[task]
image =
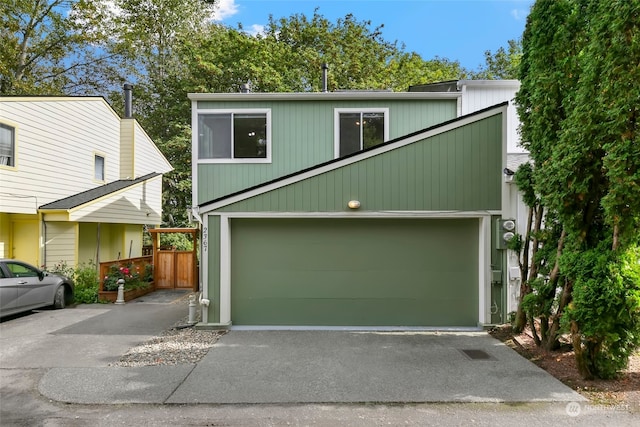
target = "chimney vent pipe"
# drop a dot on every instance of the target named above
(325, 69)
(246, 87)
(128, 102)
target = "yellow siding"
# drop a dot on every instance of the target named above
(4, 235)
(61, 243)
(88, 243)
(133, 240)
(111, 242)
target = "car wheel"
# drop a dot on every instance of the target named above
(60, 299)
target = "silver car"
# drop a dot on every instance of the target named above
(24, 287)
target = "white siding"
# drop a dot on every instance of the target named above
(61, 243)
(140, 204)
(148, 157)
(477, 95)
(56, 141)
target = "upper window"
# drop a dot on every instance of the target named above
(358, 129)
(99, 168)
(237, 136)
(7, 145)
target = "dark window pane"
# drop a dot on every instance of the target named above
(99, 168)
(372, 129)
(7, 145)
(214, 139)
(349, 133)
(249, 136)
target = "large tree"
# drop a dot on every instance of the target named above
(54, 47)
(578, 106)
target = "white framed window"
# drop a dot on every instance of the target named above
(7, 145)
(234, 136)
(98, 167)
(357, 129)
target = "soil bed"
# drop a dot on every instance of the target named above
(623, 392)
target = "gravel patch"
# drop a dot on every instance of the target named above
(181, 344)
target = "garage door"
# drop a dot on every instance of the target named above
(354, 272)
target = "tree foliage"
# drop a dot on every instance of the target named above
(503, 64)
(578, 106)
(53, 47)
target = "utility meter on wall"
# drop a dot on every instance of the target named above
(506, 230)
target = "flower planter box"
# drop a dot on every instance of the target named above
(112, 296)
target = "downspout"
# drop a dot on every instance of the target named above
(98, 247)
(44, 243)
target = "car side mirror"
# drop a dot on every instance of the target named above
(41, 274)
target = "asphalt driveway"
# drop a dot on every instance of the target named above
(344, 366)
(75, 347)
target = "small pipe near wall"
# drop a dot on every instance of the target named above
(325, 82)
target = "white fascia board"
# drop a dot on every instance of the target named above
(319, 96)
(356, 214)
(225, 270)
(356, 158)
(488, 83)
(194, 154)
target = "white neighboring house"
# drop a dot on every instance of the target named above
(77, 182)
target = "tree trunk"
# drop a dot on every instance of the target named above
(525, 289)
(565, 299)
(582, 358)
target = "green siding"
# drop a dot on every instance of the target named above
(212, 240)
(457, 170)
(358, 272)
(303, 136)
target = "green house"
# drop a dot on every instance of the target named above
(348, 209)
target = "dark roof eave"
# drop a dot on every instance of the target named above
(72, 202)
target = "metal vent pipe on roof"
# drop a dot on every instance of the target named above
(128, 101)
(325, 69)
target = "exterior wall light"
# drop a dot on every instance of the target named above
(353, 204)
(509, 175)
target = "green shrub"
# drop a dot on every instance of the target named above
(85, 278)
(605, 310)
(181, 241)
(87, 284)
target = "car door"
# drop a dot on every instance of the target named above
(32, 291)
(8, 291)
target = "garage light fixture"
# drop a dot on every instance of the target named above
(353, 204)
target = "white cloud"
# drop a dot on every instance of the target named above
(255, 29)
(223, 9)
(519, 14)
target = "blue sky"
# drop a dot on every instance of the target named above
(454, 29)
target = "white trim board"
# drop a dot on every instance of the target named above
(484, 251)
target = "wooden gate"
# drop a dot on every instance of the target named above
(175, 269)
